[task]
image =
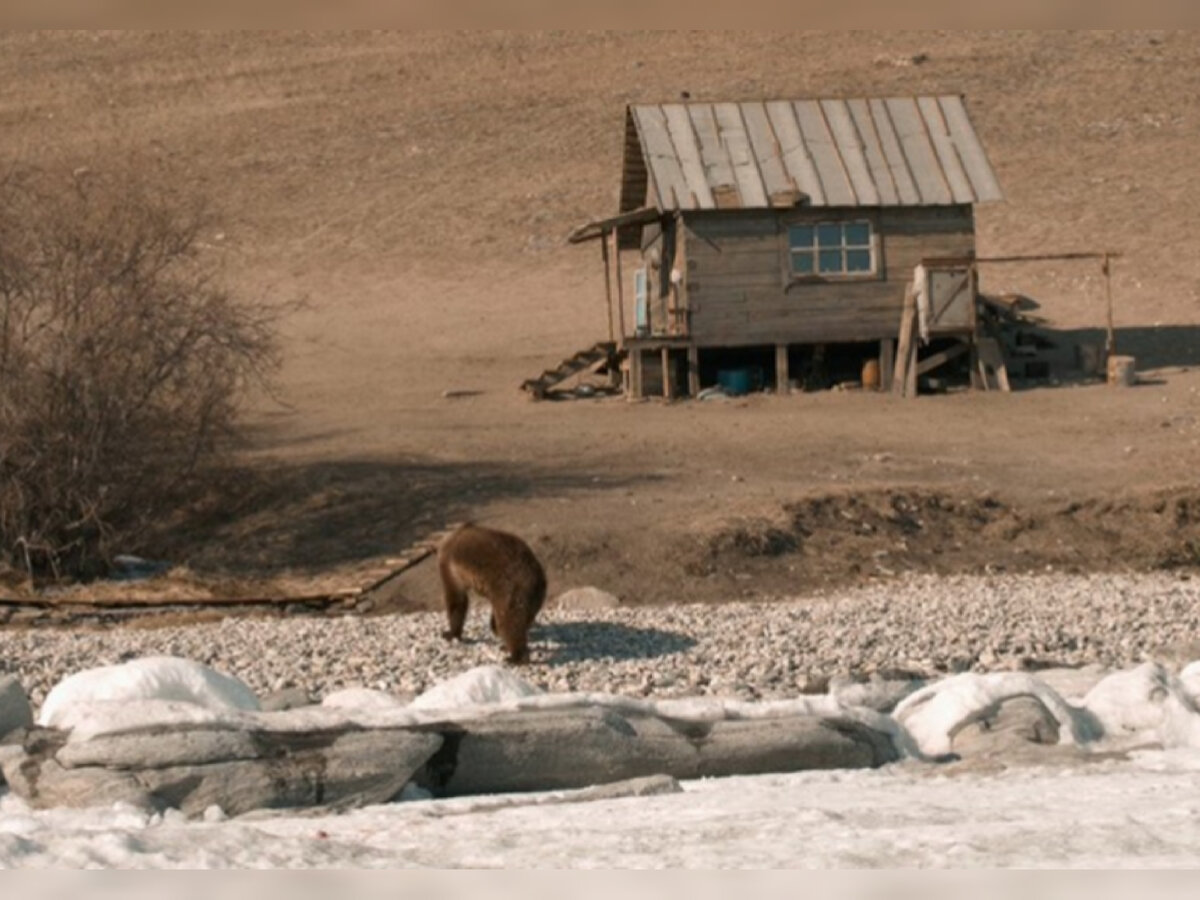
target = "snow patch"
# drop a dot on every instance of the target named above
(483, 685)
(167, 679)
(362, 698)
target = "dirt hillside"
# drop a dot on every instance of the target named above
(417, 190)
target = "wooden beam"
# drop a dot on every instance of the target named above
(616, 249)
(940, 359)
(887, 363)
(906, 345)
(635, 373)
(693, 363)
(781, 369)
(668, 381)
(607, 285)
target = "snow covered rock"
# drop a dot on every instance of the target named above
(934, 714)
(15, 711)
(483, 685)
(1009, 725)
(1145, 705)
(165, 678)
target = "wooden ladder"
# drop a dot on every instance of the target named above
(603, 353)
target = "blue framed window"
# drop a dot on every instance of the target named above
(831, 249)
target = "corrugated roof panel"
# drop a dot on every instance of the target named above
(834, 180)
(935, 124)
(679, 126)
(906, 187)
(796, 159)
(765, 145)
(662, 158)
(918, 151)
(850, 148)
(881, 173)
(899, 151)
(970, 150)
(732, 132)
(717, 166)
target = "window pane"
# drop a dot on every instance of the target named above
(800, 236)
(802, 263)
(858, 260)
(829, 235)
(831, 261)
(858, 234)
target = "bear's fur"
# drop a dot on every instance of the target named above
(501, 567)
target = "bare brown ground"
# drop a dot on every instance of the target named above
(416, 189)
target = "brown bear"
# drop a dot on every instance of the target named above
(500, 567)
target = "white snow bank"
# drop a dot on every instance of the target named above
(104, 691)
(933, 714)
(1146, 705)
(362, 698)
(483, 685)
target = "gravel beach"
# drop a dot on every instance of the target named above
(915, 626)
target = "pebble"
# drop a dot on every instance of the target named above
(914, 626)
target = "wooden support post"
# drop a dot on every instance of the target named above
(887, 363)
(616, 249)
(668, 381)
(781, 369)
(693, 363)
(607, 284)
(904, 379)
(635, 372)
(1110, 344)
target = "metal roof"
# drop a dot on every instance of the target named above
(899, 151)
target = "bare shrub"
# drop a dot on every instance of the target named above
(122, 360)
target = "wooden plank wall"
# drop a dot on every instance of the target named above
(737, 285)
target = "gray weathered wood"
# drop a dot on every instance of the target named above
(332, 768)
(561, 749)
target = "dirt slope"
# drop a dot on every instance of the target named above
(417, 189)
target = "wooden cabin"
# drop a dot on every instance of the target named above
(758, 237)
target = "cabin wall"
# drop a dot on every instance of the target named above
(738, 288)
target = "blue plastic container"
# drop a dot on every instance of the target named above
(736, 381)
